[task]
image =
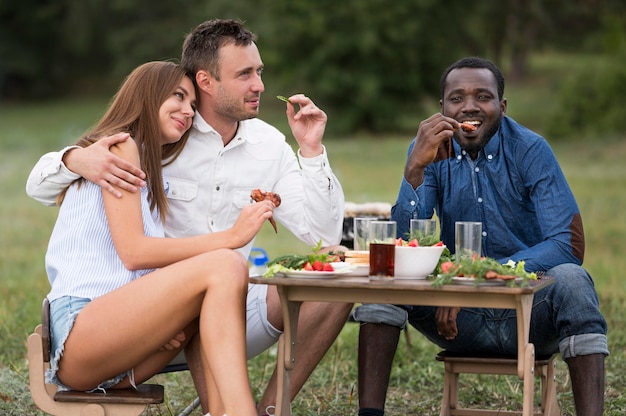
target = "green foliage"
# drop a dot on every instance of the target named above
(51, 49)
(370, 61)
(29, 47)
(590, 100)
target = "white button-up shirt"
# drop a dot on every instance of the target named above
(209, 183)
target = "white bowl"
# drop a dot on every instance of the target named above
(416, 262)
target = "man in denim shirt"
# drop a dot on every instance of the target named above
(507, 177)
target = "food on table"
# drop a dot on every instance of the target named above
(413, 243)
(257, 195)
(357, 257)
(422, 241)
(482, 269)
(418, 261)
(315, 261)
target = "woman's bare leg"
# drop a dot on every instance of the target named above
(216, 406)
(127, 327)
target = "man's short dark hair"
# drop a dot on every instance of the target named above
(474, 62)
(201, 46)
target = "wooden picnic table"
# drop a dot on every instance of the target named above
(295, 290)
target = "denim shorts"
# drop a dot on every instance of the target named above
(63, 313)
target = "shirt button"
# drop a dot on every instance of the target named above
(489, 157)
(480, 200)
(476, 169)
(459, 157)
(484, 233)
(217, 188)
(412, 203)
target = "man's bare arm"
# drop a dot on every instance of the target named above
(97, 164)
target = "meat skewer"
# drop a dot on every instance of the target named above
(257, 195)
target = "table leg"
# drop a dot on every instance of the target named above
(525, 351)
(282, 380)
(524, 304)
(286, 351)
(529, 381)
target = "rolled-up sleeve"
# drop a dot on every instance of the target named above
(49, 177)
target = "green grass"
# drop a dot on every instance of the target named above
(369, 169)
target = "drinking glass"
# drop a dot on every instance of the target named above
(423, 228)
(382, 242)
(361, 233)
(468, 239)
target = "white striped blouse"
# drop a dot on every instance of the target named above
(81, 259)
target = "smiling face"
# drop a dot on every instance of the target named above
(471, 95)
(176, 112)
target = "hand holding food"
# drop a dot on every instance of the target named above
(307, 124)
(257, 195)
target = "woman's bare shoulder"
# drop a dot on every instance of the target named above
(127, 150)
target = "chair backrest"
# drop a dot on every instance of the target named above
(45, 329)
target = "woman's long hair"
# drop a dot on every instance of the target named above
(134, 109)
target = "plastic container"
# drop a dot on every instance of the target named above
(258, 261)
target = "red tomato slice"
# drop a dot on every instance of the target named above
(445, 267)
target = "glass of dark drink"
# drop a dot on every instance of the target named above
(382, 247)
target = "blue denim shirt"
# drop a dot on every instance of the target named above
(515, 187)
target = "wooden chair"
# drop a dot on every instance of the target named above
(117, 402)
(455, 364)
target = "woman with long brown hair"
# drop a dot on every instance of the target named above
(124, 299)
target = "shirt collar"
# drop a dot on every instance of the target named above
(202, 127)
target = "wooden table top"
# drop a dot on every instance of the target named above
(399, 284)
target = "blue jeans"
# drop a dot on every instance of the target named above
(565, 317)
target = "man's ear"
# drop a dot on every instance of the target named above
(204, 81)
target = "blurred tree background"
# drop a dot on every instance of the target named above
(369, 62)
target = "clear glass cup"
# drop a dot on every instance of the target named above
(382, 245)
(361, 233)
(468, 239)
(423, 228)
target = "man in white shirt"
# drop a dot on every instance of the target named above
(230, 152)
